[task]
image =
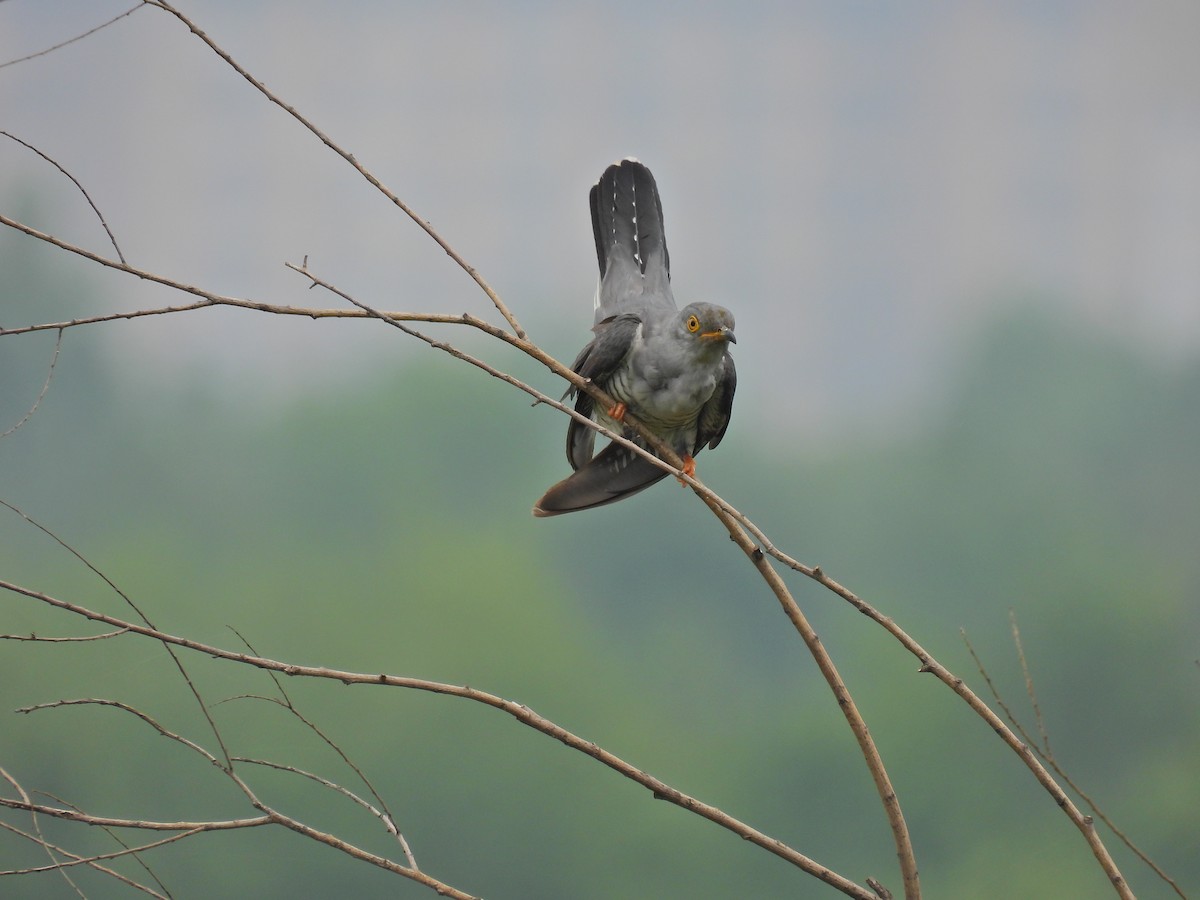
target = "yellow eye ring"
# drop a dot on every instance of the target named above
(693, 324)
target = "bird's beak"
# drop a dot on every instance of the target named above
(721, 334)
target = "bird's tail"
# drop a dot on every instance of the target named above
(627, 222)
(615, 473)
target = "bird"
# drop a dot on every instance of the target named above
(669, 367)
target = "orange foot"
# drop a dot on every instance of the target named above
(689, 469)
(617, 413)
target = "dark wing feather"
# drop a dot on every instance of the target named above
(714, 415)
(615, 473)
(597, 361)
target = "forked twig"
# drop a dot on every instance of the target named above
(128, 601)
(111, 832)
(270, 815)
(92, 862)
(75, 181)
(284, 700)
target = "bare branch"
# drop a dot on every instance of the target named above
(112, 833)
(270, 815)
(133, 711)
(63, 640)
(382, 813)
(112, 239)
(357, 166)
(78, 37)
(71, 815)
(931, 665)
(92, 862)
(523, 714)
(389, 820)
(128, 602)
(324, 782)
(365, 856)
(40, 838)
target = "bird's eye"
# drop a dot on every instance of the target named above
(693, 324)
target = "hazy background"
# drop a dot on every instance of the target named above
(962, 242)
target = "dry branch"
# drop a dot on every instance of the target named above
(523, 714)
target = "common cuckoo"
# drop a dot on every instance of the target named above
(667, 366)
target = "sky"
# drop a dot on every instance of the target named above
(865, 185)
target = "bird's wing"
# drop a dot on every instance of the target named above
(603, 355)
(714, 415)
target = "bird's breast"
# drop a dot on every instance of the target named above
(665, 398)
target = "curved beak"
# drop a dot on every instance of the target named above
(724, 333)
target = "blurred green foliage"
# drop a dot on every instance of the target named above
(388, 529)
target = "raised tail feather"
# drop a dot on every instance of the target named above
(627, 222)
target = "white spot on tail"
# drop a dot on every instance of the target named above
(637, 238)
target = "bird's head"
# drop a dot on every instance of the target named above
(707, 324)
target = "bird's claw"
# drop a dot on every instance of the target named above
(688, 469)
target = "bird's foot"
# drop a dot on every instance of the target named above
(689, 469)
(617, 413)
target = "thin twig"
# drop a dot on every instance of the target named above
(386, 816)
(930, 665)
(272, 815)
(78, 37)
(113, 854)
(1047, 753)
(75, 181)
(117, 838)
(1049, 759)
(358, 167)
(63, 640)
(125, 707)
(40, 838)
(90, 862)
(71, 815)
(312, 776)
(141, 615)
(42, 393)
